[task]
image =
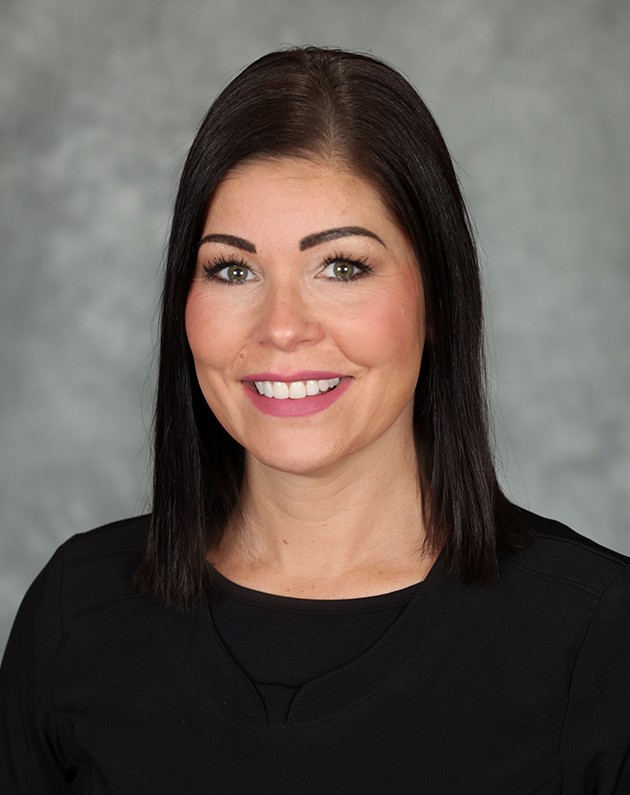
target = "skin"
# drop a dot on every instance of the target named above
(331, 505)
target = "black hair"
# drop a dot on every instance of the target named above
(355, 109)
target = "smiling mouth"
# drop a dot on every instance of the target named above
(295, 390)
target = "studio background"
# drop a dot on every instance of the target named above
(99, 103)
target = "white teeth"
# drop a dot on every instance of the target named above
(280, 390)
(296, 390)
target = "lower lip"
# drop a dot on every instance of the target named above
(302, 407)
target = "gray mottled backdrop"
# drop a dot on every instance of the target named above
(98, 104)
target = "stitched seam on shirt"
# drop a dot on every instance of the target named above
(76, 746)
(321, 611)
(388, 683)
(251, 728)
(252, 685)
(316, 612)
(380, 689)
(103, 604)
(542, 780)
(577, 657)
(603, 554)
(104, 553)
(556, 578)
(509, 786)
(205, 697)
(57, 712)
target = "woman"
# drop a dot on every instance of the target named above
(331, 594)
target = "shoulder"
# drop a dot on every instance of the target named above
(117, 538)
(558, 554)
(61, 611)
(98, 566)
(124, 535)
(88, 569)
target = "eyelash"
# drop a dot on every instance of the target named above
(212, 268)
(360, 263)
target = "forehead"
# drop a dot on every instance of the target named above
(296, 191)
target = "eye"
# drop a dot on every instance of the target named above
(231, 271)
(344, 269)
(236, 273)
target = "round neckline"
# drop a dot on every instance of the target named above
(351, 605)
(435, 607)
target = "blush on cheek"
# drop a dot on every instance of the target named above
(212, 340)
(193, 321)
(385, 331)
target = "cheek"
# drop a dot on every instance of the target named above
(388, 330)
(213, 336)
(213, 332)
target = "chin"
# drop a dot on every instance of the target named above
(296, 458)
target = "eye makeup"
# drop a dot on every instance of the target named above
(233, 263)
(343, 268)
(360, 265)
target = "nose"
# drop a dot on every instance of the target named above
(286, 320)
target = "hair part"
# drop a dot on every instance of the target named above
(354, 110)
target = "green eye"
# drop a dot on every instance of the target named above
(343, 270)
(237, 273)
(232, 271)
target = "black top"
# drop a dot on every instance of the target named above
(289, 641)
(282, 643)
(519, 687)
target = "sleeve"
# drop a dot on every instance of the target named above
(29, 751)
(595, 745)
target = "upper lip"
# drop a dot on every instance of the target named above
(303, 375)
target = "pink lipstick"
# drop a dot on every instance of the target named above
(301, 407)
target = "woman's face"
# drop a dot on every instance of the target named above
(305, 286)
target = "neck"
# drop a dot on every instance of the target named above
(354, 529)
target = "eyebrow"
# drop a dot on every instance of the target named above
(305, 243)
(334, 234)
(230, 240)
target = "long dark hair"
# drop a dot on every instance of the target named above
(329, 103)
